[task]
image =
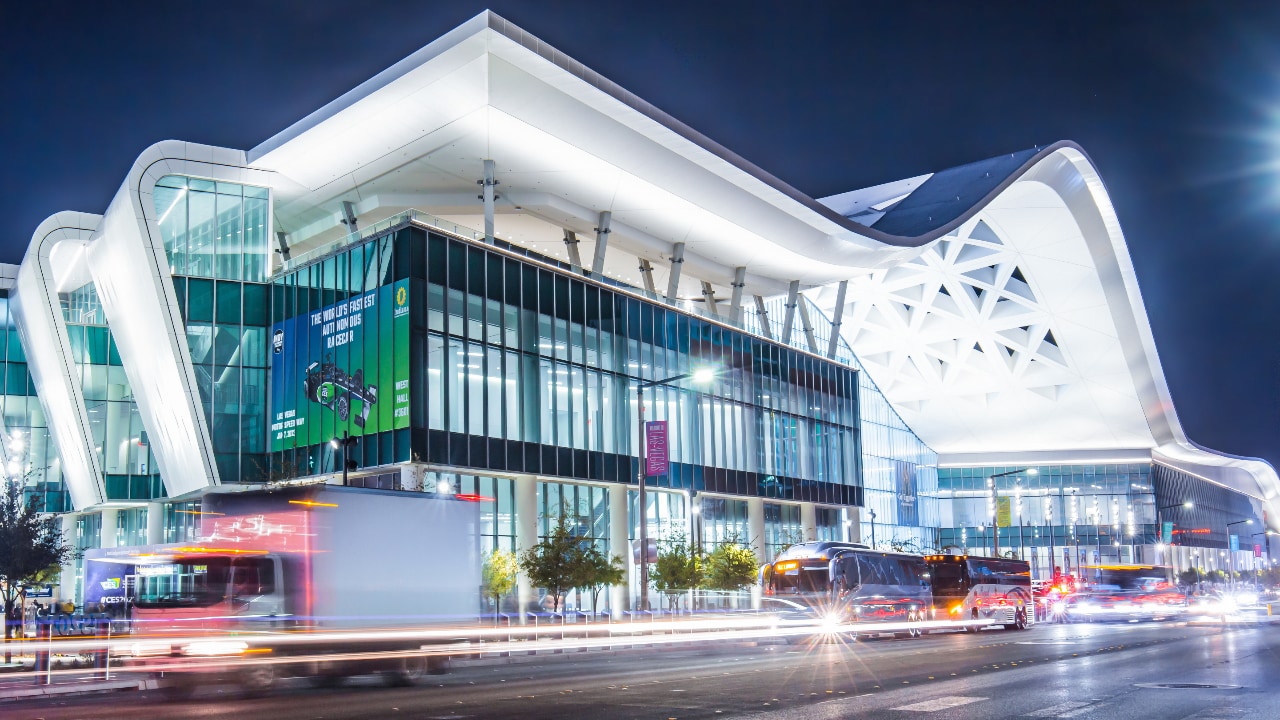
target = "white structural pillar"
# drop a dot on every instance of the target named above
(809, 521)
(835, 319)
(526, 502)
(851, 519)
(755, 526)
(155, 523)
(488, 197)
(807, 324)
(620, 546)
(677, 262)
(571, 246)
(107, 533)
(67, 578)
(646, 272)
(709, 298)
(763, 312)
(602, 242)
(789, 319)
(735, 299)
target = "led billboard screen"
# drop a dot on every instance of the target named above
(341, 369)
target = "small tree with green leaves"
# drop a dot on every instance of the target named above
(499, 575)
(556, 562)
(677, 569)
(30, 543)
(730, 566)
(1188, 578)
(600, 571)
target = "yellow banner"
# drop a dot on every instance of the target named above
(1004, 512)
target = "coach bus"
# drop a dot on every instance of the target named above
(979, 588)
(851, 583)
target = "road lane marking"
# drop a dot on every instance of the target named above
(1081, 711)
(942, 703)
(1059, 709)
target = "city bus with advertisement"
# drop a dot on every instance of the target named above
(845, 583)
(982, 588)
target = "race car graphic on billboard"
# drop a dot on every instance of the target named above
(331, 369)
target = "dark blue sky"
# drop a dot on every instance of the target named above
(1176, 103)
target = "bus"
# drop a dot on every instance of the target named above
(850, 583)
(980, 588)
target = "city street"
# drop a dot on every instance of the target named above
(1076, 671)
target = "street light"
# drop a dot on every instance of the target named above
(995, 497)
(701, 375)
(342, 444)
(1188, 505)
(1231, 557)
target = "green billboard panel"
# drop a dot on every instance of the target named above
(342, 369)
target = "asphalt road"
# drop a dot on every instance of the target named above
(1071, 671)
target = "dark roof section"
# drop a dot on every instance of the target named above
(948, 194)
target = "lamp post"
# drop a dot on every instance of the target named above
(1188, 505)
(699, 376)
(872, 513)
(342, 444)
(1231, 558)
(995, 497)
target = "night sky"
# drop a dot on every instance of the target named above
(1177, 104)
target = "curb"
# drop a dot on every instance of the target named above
(37, 691)
(517, 657)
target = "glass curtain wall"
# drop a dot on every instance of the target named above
(28, 449)
(1076, 514)
(120, 441)
(217, 241)
(520, 368)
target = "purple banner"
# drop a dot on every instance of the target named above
(655, 448)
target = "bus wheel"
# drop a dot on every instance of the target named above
(258, 679)
(913, 623)
(1020, 620)
(972, 616)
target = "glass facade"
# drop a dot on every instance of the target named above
(519, 367)
(28, 450)
(217, 240)
(1089, 513)
(120, 442)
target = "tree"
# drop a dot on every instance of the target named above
(599, 572)
(678, 568)
(1188, 578)
(555, 563)
(730, 566)
(499, 575)
(30, 543)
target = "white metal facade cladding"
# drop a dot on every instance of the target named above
(42, 328)
(1021, 336)
(131, 272)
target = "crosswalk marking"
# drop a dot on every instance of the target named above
(942, 703)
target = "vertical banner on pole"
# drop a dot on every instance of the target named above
(1234, 542)
(1166, 532)
(655, 445)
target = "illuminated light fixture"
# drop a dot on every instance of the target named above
(312, 503)
(702, 375)
(198, 512)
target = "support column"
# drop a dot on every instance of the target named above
(526, 507)
(735, 300)
(488, 197)
(755, 526)
(789, 319)
(620, 546)
(283, 242)
(107, 533)
(677, 262)
(764, 318)
(807, 324)
(709, 298)
(602, 242)
(155, 523)
(67, 578)
(852, 524)
(349, 216)
(809, 521)
(835, 319)
(571, 244)
(646, 273)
